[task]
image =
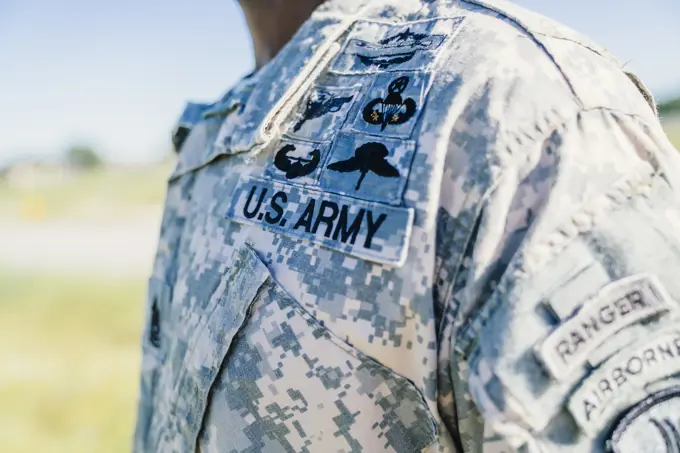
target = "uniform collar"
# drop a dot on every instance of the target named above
(251, 113)
(279, 85)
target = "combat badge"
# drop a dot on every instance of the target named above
(397, 49)
(380, 47)
(371, 231)
(651, 426)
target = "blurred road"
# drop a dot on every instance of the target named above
(125, 247)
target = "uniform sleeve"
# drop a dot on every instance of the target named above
(567, 327)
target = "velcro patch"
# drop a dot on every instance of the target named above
(323, 112)
(369, 167)
(381, 47)
(393, 104)
(297, 160)
(651, 426)
(616, 306)
(367, 230)
(612, 387)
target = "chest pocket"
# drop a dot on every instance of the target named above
(261, 374)
(154, 352)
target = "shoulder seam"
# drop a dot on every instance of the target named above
(623, 190)
(584, 45)
(557, 126)
(518, 23)
(469, 324)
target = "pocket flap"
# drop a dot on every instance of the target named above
(314, 384)
(209, 346)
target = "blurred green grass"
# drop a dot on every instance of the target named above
(674, 133)
(69, 354)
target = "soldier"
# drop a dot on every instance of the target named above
(419, 226)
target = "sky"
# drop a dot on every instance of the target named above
(116, 75)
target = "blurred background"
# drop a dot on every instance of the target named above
(89, 92)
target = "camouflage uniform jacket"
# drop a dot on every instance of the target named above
(444, 226)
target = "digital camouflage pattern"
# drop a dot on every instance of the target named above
(425, 226)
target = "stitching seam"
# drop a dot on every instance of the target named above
(533, 36)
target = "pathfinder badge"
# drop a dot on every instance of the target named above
(368, 157)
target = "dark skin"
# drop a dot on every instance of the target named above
(272, 23)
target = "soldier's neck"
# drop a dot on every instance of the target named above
(273, 23)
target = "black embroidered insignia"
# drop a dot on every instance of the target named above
(385, 61)
(295, 167)
(393, 109)
(652, 425)
(397, 49)
(669, 432)
(409, 39)
(155, 327)
(319, 104)
(368, 157)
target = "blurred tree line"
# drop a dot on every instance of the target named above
(83, 157)
(670, 107)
